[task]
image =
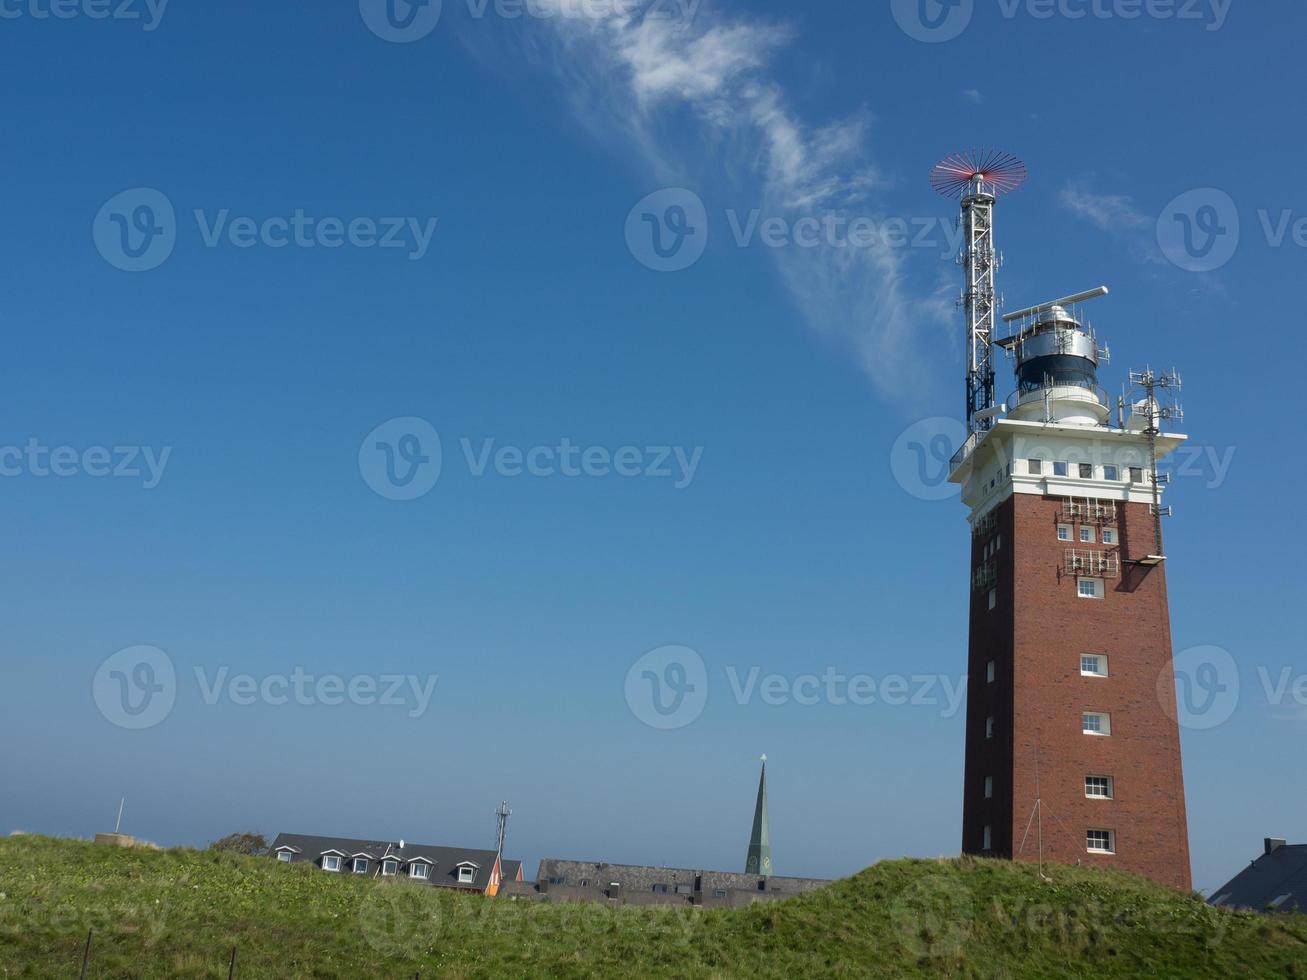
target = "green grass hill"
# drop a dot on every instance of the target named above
(178, 913)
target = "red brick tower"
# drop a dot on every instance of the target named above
(1073, 752)
(1073, 745)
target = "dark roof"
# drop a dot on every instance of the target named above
(1280, 871)
(444, 860)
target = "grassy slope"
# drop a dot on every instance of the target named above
(177, 913)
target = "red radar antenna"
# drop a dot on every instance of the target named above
(992, 172)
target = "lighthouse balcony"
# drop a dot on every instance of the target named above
(1087, 405)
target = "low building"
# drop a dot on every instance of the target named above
(461, 868)
(627, 884)
(1276, 881)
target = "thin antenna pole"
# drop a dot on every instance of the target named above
(121, 803)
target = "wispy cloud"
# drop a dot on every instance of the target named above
(640, 76)
(973, 95)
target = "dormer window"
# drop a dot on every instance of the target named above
(466, 875)
(360, 866)
(285, 856)
(330, 862)
(420, 870)
(389, 867)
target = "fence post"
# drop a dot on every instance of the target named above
(231, 964)
(86, 954)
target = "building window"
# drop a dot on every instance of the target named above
(1111, 473)
(1086, 471)
(1109, 536)
(389, 867)
(1096, 723)
(1036, 467)
(330, 862)
(1100, 842)
(660, 889)
(284, 855)
(989, 672)
(1098, 787)
(1093, 665)
(719, 893)
(467, 875)
(418, 870)
(1090, 588)
(989, 727)
(1136, 474)
(1064, 532)
(993, 598)
(988, 842)
(1087, 535)
(360, 866)
(989, 787)
(1059, 469)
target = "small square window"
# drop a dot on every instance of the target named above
(1086, 471)
(1098, 787)
(1096, 723)
(1093, 665)
(1036, 467)
(360, 866)
(1109, 536)
(1136, 474)
(1090, 588)
(418, 870)
(989, 728)
(284, 856)
(1111, 473)
(1059, 469)
(1101, 842)
(989, 787)
(989, 672)
(467, 875)
(1087, 535)
(1064, 532)
(389, 867)
(330, 863)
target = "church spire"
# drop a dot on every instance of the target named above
(759, 859)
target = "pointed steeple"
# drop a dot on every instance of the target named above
(759, 859)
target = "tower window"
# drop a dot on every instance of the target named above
(1086, 471)
(1109, 536)
(1059, 469)
(989, 728)
(989, 672)
(988, 838)
(1096, 723)
(1100, 842)
(989, 787)
(1090, 588)
(1036, 467)
(1098, 787)
(1093, 665)
(1087, 535)
(1136, 474)
(1064, 532)
(993, 598)
(1111, 473)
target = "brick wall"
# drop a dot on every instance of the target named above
(1035, 636)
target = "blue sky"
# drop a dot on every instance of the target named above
(800, 541)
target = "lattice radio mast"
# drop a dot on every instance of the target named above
(979, 177)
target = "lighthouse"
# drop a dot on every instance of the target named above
(1072, 738)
